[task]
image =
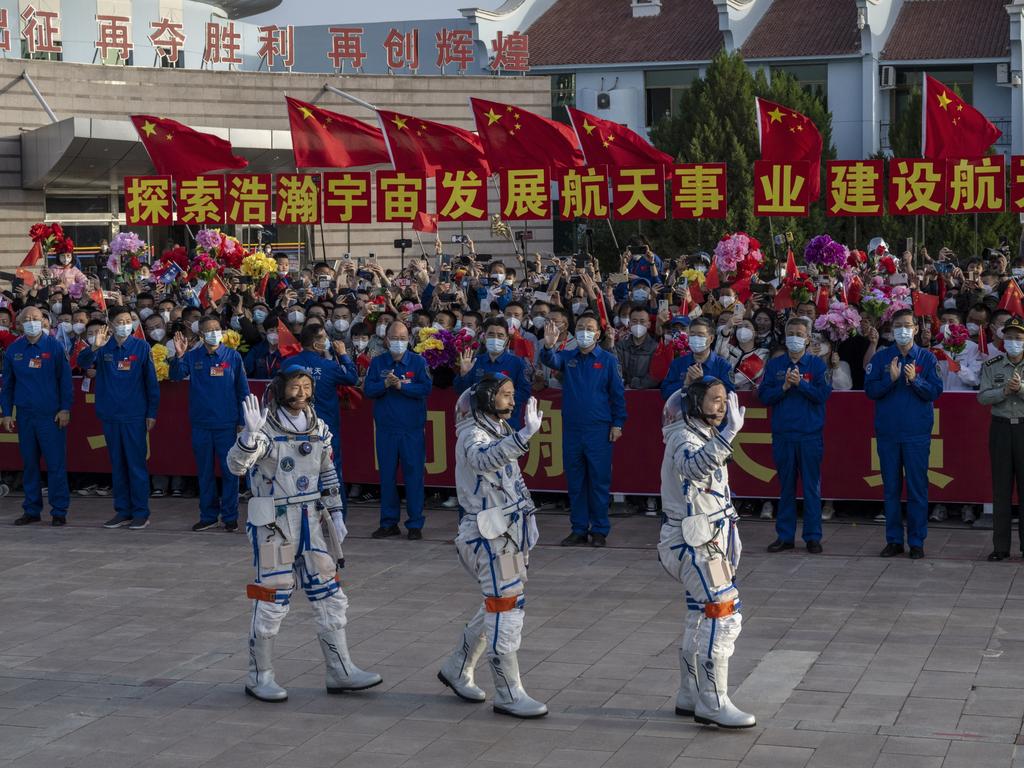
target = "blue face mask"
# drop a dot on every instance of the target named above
(495, 346)
(259, 315)
(585, 338)
(903, 336)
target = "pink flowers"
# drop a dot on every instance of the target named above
(738, 256)
(208, 239)
(840, 322)
(953, 338)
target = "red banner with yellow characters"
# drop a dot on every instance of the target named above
(958, 470)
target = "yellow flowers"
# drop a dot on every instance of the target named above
(163, 368)
(232, 339)
(258, 264)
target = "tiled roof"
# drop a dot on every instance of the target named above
(805, 28)
(949, 29)
(605, 32)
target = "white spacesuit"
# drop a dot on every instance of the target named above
(286, 452)
(496, 533)
(700, 545)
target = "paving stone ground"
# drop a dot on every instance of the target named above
(123, 648)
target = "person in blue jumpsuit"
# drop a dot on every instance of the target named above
(217, 387)
(398, 383)
(329, 375)
(127, 398)
(702, 361)
(496, 359)
(795, 388)
(904, 383)
(37, 381)
(593, 415)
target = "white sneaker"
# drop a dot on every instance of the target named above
(967, 514)
(827, 511)
(938, 514)
(451, 502)
(880, 517)
(651, 507)
(767, 510)
(86, 491)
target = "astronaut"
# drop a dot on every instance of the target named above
(700, 545)
(496, 533)
(296, 527)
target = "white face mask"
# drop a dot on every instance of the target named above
(295, 316)
(56, 307)
(165, 315)
(438, 326)
(66, 327)
(32, 327)
(743, 335)
(698, 343)
(194, 325)
(145, 312)
(91, 339)
(578, 307)
(1014, 347)
(585, 338)
(259, 315)
(360, 344)
(944, 329)
(998, 332)
(973, 328)
(272, 338)
(123, 330)
(398, 347)
(539, 321)
(639, 330)
(341, 325)
(903, 336)
(382, 330)
(157, 334)
(949, 304)
(509, 280)
(78, 328)
(212, 338)
(514, 323)
(497, 278)
(495, 346)
(640, 296)
(727, 301)
(796, 343)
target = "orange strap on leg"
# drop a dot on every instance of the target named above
(500, 604)
(720, 610)
(259, 592)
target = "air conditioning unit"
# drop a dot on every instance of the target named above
(887, 78)
(1003, 73)
(604, 100)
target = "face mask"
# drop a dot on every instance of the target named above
(359, 344)
(514, 323)
(235, 322)
(539, 322)
(438, 326)
(212, 338)
(497, 278)
(585, 338)
(66, 327)
(382, 330)
(727, 301)
(78, 328)
(272, 338)
(157, 334)
(295, 317)
(578, 307)
(795, 343)
(640, 296)
(258, 315)
(698, 343)
(973, 328)
(495, 346)
(949, 304)
(341, 325)
(903, 336)
(320, 346)
(56, 307)
(510, 280)
(398, 347)
(639, 330)
(165, 315)
(145, 312)
(1014, 347)
(33, 327)
(123, 331)
(458, 326)
(90, 340)
(743, 335)
(723, 329)
(194, 325)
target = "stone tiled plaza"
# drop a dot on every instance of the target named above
(122, 648)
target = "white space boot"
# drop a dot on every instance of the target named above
(509, 696)
(342, 674)
(713, 704)
(457, 670)
(261, 684)
(686, 699)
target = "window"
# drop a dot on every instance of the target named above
(665, 89)
(907, 81)
(563, 94)
(813, 78)
(56, 204)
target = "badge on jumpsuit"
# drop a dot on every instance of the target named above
(302, 483)
(287, 464)
(305, 448)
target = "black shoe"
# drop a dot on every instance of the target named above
(26, 519)
(891, 550)
(201, 526)
(814, 547)
(996, 557)
(57, 522)
(231, 527)
(176, 493)
(383, 533)
(117, 522)
(574, 540)
(916, 553)
(597, 540)
(414, 534)
(780, 546)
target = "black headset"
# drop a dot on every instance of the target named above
(484, 393)
(695, 396)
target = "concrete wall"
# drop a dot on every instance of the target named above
(628, 102)
(218, 99)
(845, 79)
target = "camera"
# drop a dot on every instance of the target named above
(364, 274)
(460, 239)
(943, 267)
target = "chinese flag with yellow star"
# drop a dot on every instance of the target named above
(425, 147)
(953, 129)
(325, 139)
(787, 137)
(514, 138)
(177, 150)
(607, 143)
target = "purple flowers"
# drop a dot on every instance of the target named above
(208, 239)
(840, 322)
(127, 243)
(826, 254)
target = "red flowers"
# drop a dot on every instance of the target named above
(40, 233)
(63, 244)
(134, 264)
(887, 265)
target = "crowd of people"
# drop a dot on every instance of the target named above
(792, 335)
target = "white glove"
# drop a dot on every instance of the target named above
(339, 524)
(532, 420)
(734, 417)
(254, 417)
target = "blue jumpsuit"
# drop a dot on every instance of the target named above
(329, 375)
(904, 414)
(261, 362)
(37, 381)
(593, 402)
(715, 365)
(127, 393)
(798, 421)
(400, 416)
(512, 366)
(217, 387)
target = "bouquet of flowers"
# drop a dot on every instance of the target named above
(692, 276)
(681, 344)
(257, 265)
(51, 238)
(203, 267)
(163, 368)
(232, 252)
(126, 250)
(232, 339)
(801, 287)
(436, 346)
(887, 265)
(899, 298)
(208, 240)
(738, 256)
(875, 303)
(954, 339)
(463, 340)
(840, 322)
(826, 254)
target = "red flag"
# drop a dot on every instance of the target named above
(79, 346)
(608, 143)
(26, 276)
(515, 138)
(325, 139)
(661, 360)
(751, 367)
(212, 292)
(138, 332)
(523, 348)
(926, 304)
(784, 298)
(856, 287)
(742, 288)
(982, 342)
(696, 294)
(423, 146)
(262, 289)
(787, 136)
(35, 253)
(287, 344)
(97, 296)
(953, 129)
(425, 222)
(177, 150)
(1011, 300)
(822, 300)
(711, 281)
(791, 270)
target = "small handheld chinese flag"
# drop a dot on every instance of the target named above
(138, 332)
(824, 296)
(742, 288)
(261, 289)
(212, 292)
(661, 360)
(751, 366)
(425, 222)
(177, 150)
(953, 129)
(1012, 299)
(926, 304)
(97, 296)
(787, 137)
(605, 142)
(79, 346)
(982, 342)
(791, 270)
(711, 281)
(35, 253)
(287, 344)
(784, 298)
(26, 276)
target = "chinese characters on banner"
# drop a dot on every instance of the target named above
(525, 194)
(200, 201)
(461, 196)
(400, 196)
(298, 198)
(1017, 184)
(638, 193)
(699, 191)
(916, 187)
(781, 189)
(147, 201)
(583, 193)
(248, 198)
(347, 197)
(855, 187)
(976, 186)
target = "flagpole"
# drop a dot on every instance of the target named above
(583, 151)
(349, 96)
